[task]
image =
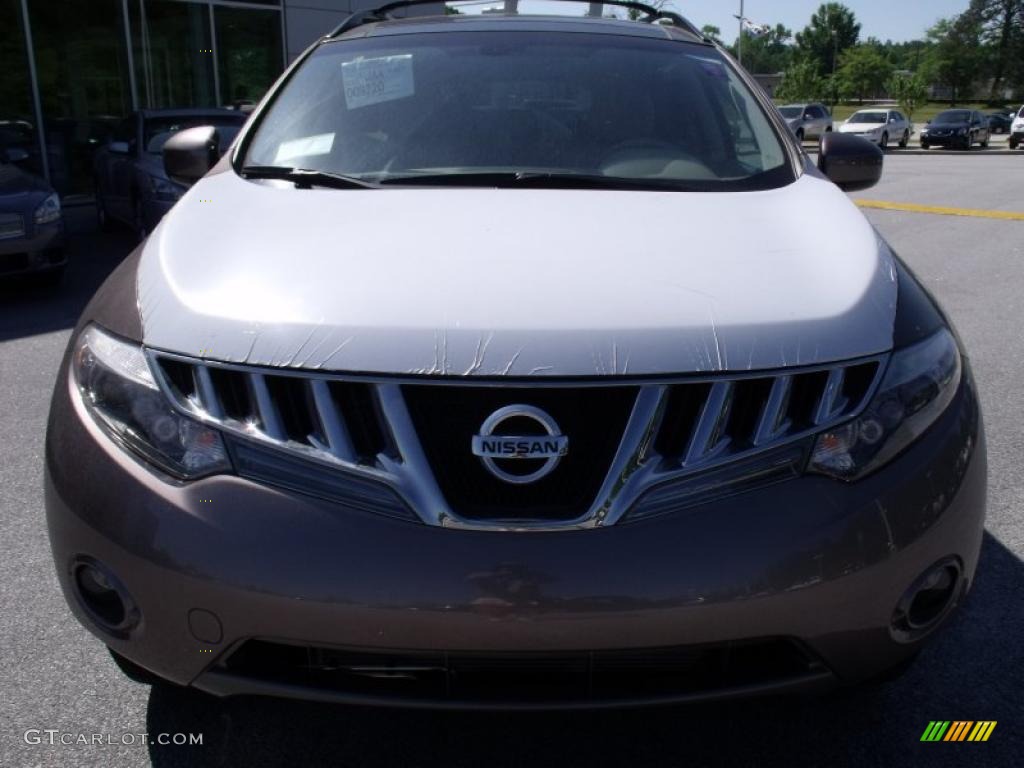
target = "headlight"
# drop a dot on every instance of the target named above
(119, 391)
(918, 385)
(48, 210)
(164, 190)
(961, 131)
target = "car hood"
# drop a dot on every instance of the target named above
(496, 282)
(18, 187)
(946, 126)
(859, 127)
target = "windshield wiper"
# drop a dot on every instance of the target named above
(532, 179)
(305, 178)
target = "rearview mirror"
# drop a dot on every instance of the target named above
(189, 154)
(851, 162)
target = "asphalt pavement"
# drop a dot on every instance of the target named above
(57, 676)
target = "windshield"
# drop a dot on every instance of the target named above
(952, 116)
(868, 117)
(465, 103)
(158, 130)
(791, 112)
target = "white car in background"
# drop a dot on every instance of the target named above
(880, 126)
(1017, 130)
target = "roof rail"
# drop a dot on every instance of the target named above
(381, 12)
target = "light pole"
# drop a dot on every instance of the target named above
(739, 40)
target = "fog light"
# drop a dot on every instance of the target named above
(927, 601)
(104, 597)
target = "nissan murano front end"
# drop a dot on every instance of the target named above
(514, 361)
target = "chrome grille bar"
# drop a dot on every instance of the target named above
(774, 422)
(832, 401)
(205, 392)
(708, 438)
(270, 418)
(339, 443)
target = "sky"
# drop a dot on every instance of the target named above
(885, 19)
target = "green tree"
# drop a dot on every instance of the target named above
(1002, 31)
(910, 92)
(833, 29)
(710, 30)
(768, 53)
(956, 56)
(863, 71)
(801, 82)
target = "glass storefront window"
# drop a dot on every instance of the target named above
(174, 54)
(82, 68)
(249, 55)
(17, 118)
(93, 69)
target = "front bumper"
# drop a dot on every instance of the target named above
(222, 561)
(42, 249)
(946, 141)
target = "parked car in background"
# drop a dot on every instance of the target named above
(957, 128)
(131, 185)
(1017, 130)
(807, 121)
(880, 126)
(1000, 122)
(31, 224)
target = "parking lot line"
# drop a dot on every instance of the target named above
(940, 210)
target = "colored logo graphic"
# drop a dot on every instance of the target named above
(958, 730)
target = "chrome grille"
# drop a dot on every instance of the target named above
(674, 430)
(705, 423)
(11, 225)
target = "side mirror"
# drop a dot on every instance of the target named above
(15, 155)
(851, 162)
(190, 153)
(119, 147)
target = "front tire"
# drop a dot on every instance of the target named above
(884, 143)
(800, 135)
(905, 140)
(925, 145)
(984, 144)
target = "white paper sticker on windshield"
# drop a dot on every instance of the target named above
(371, 81)
(308, 145)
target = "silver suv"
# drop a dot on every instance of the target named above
(807, 121)
(514, 361)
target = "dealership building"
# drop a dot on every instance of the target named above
(70, 70)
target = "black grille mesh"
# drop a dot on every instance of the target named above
(509, 678)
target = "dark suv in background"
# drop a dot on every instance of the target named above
(131, 184)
